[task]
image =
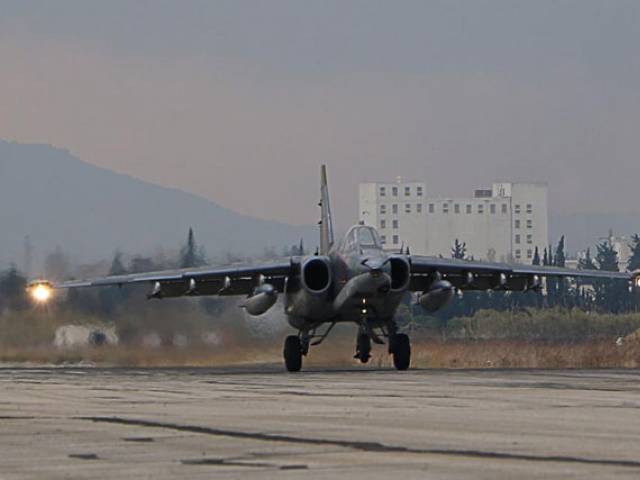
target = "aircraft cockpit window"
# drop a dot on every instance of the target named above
(366, 238)
(361, 238)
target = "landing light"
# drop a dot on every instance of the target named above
(637, 281)
(41, 292)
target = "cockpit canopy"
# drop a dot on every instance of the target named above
(361, 237)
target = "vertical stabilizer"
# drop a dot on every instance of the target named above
(326, 223)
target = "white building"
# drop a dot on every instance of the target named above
(505, 223)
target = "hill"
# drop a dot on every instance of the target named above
(89, 212)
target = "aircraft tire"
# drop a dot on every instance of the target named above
(292, 353)
(401, 352)
(363, 348)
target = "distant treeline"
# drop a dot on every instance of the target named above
(133, 315)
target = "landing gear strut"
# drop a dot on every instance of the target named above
(293, 350)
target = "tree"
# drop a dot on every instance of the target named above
(610, 294)
(634, 260)
(190, 254)
(560, 285)
(560, 259)
(584, 298)
(459, 250)
(13, 290)
(545, 258)
(586, 262)
(117, 266)
(536, 257)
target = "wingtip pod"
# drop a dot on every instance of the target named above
(40, 291)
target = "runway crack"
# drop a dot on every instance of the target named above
(360, 445)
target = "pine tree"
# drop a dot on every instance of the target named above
(536, 257)
(190, 254)
(545, 258)
(560, 259)
(634, 260)
(610, 294)
(459, 250)
(560, 284)
(117, 267)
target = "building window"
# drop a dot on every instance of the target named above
(445, 208)
(518, 254)
(407, 208)
(419, 207)
(419, 191)
(395, 239)
(383, 223)
(480, 208)
(517, 209)
(529, 254)
(383, 191)
(492, 208)
(383, 209)
(517, 223)
(529, 223)
(432, 208)
(456, 208)
(468, 208)
(383, 239)
(394, 191)
(529, 208)
(504, 208)
(529, 239)
(518, 238)
(395, 224)
(407, 191)
(394, 208)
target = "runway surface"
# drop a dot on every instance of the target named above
(259, 422)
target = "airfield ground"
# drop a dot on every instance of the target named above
(259, 422)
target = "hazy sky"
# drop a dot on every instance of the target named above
(240, 101)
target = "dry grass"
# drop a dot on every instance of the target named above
(426, 354)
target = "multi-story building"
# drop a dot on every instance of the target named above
(505, 223)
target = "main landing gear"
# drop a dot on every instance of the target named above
(400, 348)
(297, 346)
(293, 353)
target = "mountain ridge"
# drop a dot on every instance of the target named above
(98, 211)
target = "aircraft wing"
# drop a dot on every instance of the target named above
(473, 275)
(228, 280)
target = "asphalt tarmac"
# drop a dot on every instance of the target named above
(259, 422)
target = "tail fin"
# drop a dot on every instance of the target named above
(326, 223)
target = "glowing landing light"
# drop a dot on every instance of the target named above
(638, 281)
(41, 292)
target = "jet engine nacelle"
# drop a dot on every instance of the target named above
(400, 273)
(316, 275)
(263, 298)
(439, 295)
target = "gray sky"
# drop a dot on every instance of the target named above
(240, 101)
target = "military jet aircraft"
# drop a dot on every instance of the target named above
(353, 280)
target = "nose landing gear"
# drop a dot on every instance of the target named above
(363, 348)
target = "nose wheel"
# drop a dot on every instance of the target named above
(293, 353)
(400, 348)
